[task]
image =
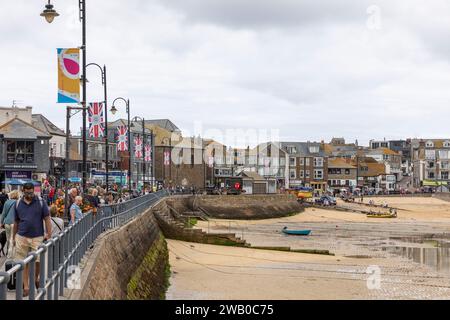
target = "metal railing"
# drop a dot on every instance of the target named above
(61, 255)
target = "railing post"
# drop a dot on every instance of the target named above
(19, 281)
(3, 285)
(32, 276)
(42, 271)
(61, 263)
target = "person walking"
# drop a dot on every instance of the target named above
(75, 210)
(57, 223)
(31, 212)
(7, 219)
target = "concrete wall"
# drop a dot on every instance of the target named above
(442, 196)
(129, 263)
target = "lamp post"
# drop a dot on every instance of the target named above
(113, 111)
(49, 13)
(136, 119)
(105, 90)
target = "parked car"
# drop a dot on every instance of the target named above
(326, 200)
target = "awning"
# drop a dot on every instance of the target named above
(434, 183)
(20, 182)
(75, 180)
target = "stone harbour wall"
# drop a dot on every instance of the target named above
(248, 206)
(131, 262)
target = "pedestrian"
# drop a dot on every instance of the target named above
(75, 210)
(7, 219)
(3, 199)
(57, 223)
(28, 234)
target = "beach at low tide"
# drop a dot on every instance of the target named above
(411, 254)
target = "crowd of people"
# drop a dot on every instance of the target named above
(29, 218)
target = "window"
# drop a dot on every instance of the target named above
(429, 144)
(307, 174)
(314, 149)
(446, 144)
(318, 174)
(347, 171)
(292, 149)
(430, 164)
(282, 162)
(444, 175)
(307, 161)
(302, 174)
(292, 174)
(292, 161)
(302, 161)
(318, 162)
(20, 152)
(443, 154)
(430, 175)
(444, 165)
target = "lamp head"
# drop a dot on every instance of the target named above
(113, 110)
(49, 13)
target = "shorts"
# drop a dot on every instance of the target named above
(26, 245)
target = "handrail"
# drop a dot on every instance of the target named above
(60, 256)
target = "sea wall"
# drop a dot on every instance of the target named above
(128, 263)
(248, 206)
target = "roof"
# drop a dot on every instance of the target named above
(374, 169)
(42, 123)
(303, 148)
(19, 129)
(252, 175)
(164, 123)
(340, 163)
(384, 151)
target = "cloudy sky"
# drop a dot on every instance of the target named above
(309, 69)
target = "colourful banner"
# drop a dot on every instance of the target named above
(138, 147)
(68, 75)
(122, 138)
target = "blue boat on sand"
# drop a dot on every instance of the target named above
(296, 232)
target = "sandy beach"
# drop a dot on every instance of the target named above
(410, 268)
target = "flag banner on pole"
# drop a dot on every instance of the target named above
(96, 120)
(138, 147)
(148, 153)
(122, 138)
(68, 75)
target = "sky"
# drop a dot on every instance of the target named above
(288, 69)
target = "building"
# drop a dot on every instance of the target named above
(402, 147)
(253, 183)
(431, 162)
(342, 174)
(372, 174)
(393, 165)
(57, 152)
(24, 151)
(308, 165)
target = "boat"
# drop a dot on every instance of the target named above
(296, 232)
(382, 215)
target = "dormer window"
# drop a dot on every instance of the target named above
(429, 144)
(314, 149)
(447, 144)
(291, 149)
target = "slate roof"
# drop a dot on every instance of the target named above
(303, 149)
(42, 123)
(19, 129)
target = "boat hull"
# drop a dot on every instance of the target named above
(297, 232)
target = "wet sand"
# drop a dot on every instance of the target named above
(212, 272)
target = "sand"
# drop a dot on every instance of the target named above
(214, 272)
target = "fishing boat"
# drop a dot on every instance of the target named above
(296, 232)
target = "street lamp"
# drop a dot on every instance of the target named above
(114, 111)
(136, 119)
(49, 14)
(103, 72)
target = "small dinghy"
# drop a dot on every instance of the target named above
(296, 232)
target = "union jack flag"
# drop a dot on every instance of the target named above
(96, 120)
(138, 147)
(148, 153)
(122, 138)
